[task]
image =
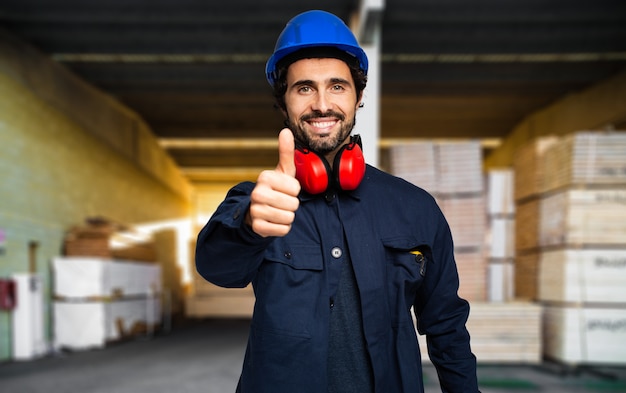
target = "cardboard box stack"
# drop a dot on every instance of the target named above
(576, 237)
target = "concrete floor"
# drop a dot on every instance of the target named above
(205, 356)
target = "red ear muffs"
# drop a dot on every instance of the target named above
(311, 170)
(349, 165)
(316, 176)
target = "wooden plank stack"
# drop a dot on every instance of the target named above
(91, 239)
(529, 170)
(452, 173)
(503, 332)
(99, 300)
(500, 234)
(577, 224)
(99, 237)
(578, 276)
(209, 300)
(415, 163)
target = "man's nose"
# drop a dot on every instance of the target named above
(322, 102)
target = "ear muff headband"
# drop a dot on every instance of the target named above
(316, 176)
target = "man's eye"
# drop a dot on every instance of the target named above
(337, 87)
(304, 89)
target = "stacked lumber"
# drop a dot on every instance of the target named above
(575, 232)
(91, 239)
(583, 276)
(500, 234)
(585, 334)
(452, 173)
(415, 163)
(583, 216)
(508, 332)
(586, 158)
(526, 276)
(209, 300)
(441, 168)
(529, 166)
(466, 217)
(99, 237)
(472, 275)
(585, 319)
(99, 300)
(459, 168)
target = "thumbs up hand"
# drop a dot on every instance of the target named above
(274, 200)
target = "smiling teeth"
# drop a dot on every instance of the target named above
(323, 124)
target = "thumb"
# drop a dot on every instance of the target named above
(286, 151)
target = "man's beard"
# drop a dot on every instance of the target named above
(322, 145)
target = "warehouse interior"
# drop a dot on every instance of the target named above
(124, 123)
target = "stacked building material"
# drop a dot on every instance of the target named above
(500, 234)
(99, 237)
(503, 332)
(98, 300)
(91, 239)
(209, 300)
(529, 171)
(580, 234)
(452, 173)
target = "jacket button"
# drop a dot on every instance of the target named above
(336, 252)
(287, 254)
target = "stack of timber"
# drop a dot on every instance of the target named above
(99, 237)
(500, 235)
(98, 300)
(415, 163)
(529, 168)
(452, 173)
(208, 300)
(507, 332)
(581, 248)
(90, 239)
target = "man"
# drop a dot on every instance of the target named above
(337, 251)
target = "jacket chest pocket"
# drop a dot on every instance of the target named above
(287, 288)
(407, 262)
(289, 265)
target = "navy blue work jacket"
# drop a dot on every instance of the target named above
(382, 222)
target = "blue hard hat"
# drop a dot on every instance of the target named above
(314, 29)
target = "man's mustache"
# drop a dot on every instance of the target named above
(318, 114)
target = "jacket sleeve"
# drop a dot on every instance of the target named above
(441, 315)
(228, 252)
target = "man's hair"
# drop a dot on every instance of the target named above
(280, 85)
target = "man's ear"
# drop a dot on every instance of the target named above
(359, 102)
